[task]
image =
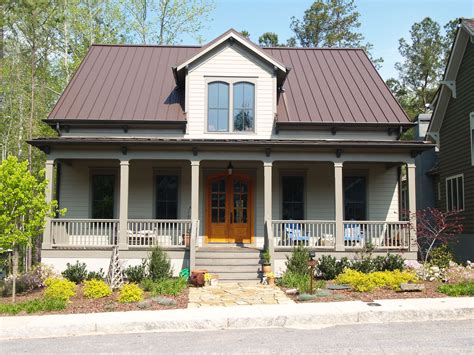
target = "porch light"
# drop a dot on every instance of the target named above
(230, 168)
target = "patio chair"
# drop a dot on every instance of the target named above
(353, 234)
(294, 235)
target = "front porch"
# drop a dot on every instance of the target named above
(332, 206)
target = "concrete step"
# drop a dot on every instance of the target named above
(227, 262)
(217, 269)
(229, 276)
(226, 255)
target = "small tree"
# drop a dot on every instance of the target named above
(23, 209)
(436, 227)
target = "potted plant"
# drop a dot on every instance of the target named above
(266, 265)
(270, 278)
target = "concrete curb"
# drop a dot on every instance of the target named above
(308, 315)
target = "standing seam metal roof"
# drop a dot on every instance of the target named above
(136, 83)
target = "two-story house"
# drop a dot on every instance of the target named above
(452, 129)
(217, 152)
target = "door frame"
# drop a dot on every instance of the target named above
(207, 204)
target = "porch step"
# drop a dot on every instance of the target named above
(231, 263)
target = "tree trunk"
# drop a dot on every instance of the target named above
(15, 272)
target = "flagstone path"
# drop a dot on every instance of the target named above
(236, 294)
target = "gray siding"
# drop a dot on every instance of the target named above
(455, 138)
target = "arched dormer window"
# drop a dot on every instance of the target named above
(244, 106)
(218, 107)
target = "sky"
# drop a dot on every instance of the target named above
(384, 22)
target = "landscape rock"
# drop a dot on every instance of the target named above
(291, 291)
(338, 287)
(410, 287)
(164, 301)
(144, 304)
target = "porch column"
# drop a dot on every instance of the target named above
(194, 211)
(411, 173)
(48, 194)
(339, 205)
(123, 203)
(267, 183)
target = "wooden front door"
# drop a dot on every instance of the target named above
(229, 211)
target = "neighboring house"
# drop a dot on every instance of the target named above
(216, 152)
(452, 128)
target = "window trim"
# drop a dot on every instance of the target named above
(105, 171)
(451, 178)
(167, 171)
(231, 81)
(305, 199)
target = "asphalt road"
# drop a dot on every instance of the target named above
(416, 337)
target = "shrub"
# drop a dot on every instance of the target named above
(28, 281)
(297, 262)
(136, 273)
(96, 289)
(159, 265)
(33, 306)
(59, 289)
(365, 265)
(169, 287)
(96, 275)
(441, 256)
(392, 262)
(328, 267)
(461, 289)
(75, 273)
(266, 257)
(361, 282)
(147, 284)
(300, 282)
(130, 293)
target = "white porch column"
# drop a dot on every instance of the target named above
(123, 205)
(48, 194)
(339, 205)
(411, 175)
(194, 210)
(267, 183)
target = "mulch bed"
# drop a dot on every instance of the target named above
(430, 291)
(80, 304)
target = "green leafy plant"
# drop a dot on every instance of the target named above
(266, 257)
(75, 272)
(362, 282)
(136, 273)
(130, 293)
(159, 266)
(328, 267)
(300, 282)
(297, 262)
(96, 275)
(460, 289)
(441, 256)
(33, 306)
(28, 281)
(169, 287)
(96, 289)
(59, 289)
(147, 284)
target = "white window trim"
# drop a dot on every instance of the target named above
(471, 116)
(231, 81)
(448, 179)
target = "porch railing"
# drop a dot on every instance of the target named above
(381, 235)
(84, 232)
(162, 232)
(314, 234)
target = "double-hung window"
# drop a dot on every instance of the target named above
(230, 106)
(103, 196)
(355, 198)
(166, 197)
(293, 197)
(455, 193)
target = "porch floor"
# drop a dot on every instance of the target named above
(228, 294)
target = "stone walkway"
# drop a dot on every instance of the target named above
(236, 294)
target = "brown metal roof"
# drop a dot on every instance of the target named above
(469, 23)
(136, 83)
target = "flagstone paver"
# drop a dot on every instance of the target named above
(236, 294)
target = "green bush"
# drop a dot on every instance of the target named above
(297, 262)
(130, 293)
(75, 273)
(392, 262)
(300, 282)
(441, 256)
(460, 289)
(362, 282)
(136, 273)
(33, 306)
(147, 284)
(59, 289)
(266, 257)
(169, 287)
(28, 281)
(328, 267)
(96, 275)
(159, 265)
(96, 289)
